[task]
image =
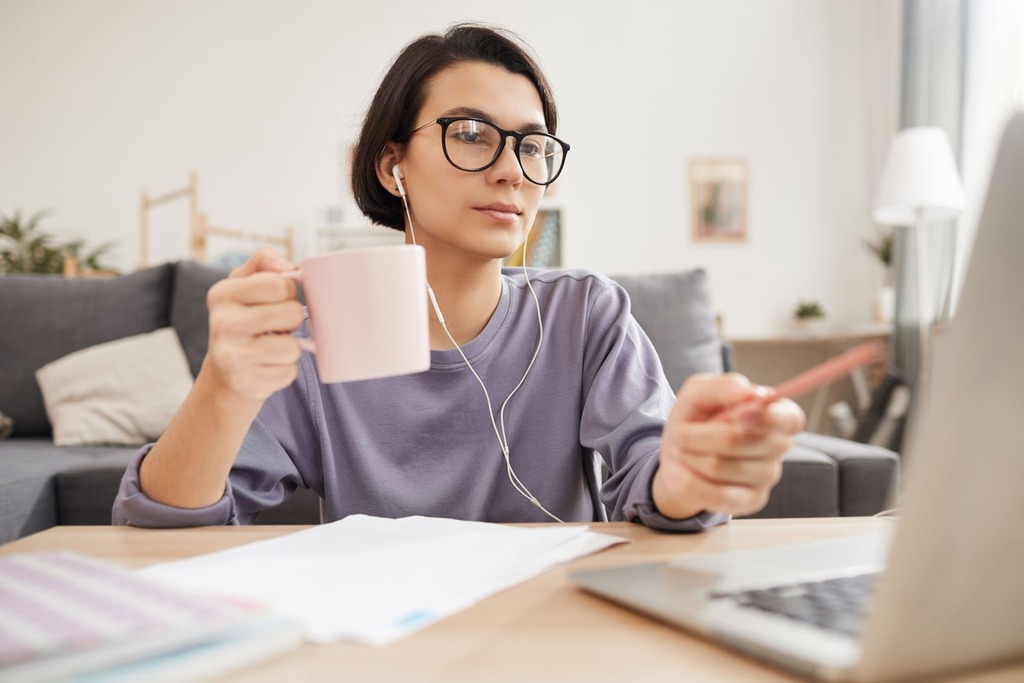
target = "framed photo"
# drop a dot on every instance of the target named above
(718, 200)
(544, 248)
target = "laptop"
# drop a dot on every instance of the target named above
(943, 591)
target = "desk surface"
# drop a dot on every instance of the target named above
(542, 630)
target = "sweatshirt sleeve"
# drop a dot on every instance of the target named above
(267, 470)
(133, 507)
(626, 400)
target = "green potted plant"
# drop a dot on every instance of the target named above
(881, 247)
(809, 315)
(885, 299)
(26, 248)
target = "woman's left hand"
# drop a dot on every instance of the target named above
(722, 463)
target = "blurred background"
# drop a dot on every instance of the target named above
(106, 99)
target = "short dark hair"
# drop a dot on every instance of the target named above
(397, 103)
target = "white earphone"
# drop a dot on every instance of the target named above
(398, 180)
(502, 437)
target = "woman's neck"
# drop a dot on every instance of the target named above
(467, 295)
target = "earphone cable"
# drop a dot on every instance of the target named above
(502, 435)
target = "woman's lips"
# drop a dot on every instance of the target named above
(500, 213)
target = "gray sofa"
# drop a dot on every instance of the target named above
(44, 318)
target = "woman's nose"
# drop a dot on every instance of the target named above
(507, 166)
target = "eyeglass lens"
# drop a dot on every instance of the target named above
(472, 145)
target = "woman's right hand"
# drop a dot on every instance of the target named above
(252, 352)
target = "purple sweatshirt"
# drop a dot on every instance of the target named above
(423, 444)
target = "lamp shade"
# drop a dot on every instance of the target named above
(920, 179)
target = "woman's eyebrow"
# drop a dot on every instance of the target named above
(475, 113)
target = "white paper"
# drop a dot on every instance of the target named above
(374, 579)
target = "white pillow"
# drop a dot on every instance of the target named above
(122, 392)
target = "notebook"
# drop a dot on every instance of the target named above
(944, 590)
(66, 616)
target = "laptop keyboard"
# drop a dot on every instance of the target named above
(836, 604)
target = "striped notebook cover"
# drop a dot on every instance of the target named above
(64, 616)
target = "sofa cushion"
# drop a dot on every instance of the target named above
(189, 315)
(675, 311)
(28, 500)
(869, 476)
(809, 486)
(120, 392)
(47, 317)
(85, 495)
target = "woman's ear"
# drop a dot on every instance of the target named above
(386, 163)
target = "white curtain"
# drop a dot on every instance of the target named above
(962, 70)
(934, 49)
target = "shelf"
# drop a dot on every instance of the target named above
(332, 239)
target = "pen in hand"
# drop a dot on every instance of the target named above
(808, 380)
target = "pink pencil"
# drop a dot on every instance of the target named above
(821, 374)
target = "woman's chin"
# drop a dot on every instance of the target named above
(499, 248)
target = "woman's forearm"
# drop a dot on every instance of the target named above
(188, 466)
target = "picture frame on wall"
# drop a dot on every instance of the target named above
(719, 199)
(544, 247)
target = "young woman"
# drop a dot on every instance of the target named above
(531, 372)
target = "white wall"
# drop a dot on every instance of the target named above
(102, 99)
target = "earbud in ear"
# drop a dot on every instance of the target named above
(398, 179)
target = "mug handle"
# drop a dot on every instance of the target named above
(305, 342)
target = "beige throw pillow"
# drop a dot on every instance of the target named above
(122, 392)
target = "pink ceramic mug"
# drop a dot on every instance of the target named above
(367, 312)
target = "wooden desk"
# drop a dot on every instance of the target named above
(542, 630)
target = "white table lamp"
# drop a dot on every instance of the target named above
(920, 184)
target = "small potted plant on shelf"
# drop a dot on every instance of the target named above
(809, 316)
(885, 299)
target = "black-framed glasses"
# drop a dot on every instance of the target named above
(474, 145)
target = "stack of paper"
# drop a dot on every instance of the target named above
(65, 615)
(374, 579)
